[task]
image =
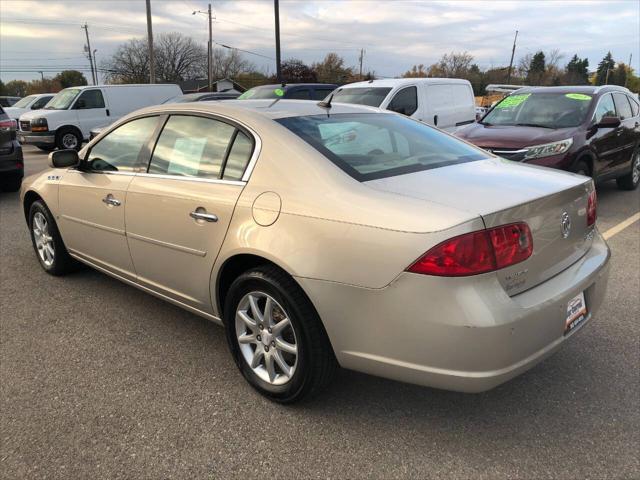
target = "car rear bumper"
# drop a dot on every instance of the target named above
(30, 138)
(12, 162)
(464, 334)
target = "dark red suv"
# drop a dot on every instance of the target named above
(594, 131)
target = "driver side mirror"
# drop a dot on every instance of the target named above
(63, 159)
(608, 122)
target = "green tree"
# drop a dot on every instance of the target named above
(618, 75)
(577, 71)
(70, 78)
(604, 68)
(536, 70)
(2, 88)
(16, 88)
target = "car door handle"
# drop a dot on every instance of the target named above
(207, 217)
(110, 200)
(435, 120)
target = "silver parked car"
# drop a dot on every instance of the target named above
(322, 235)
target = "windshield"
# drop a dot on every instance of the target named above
(24, 103)
(63, 99)
(371, 96)
(546, 110)
(369, 146)
(259, 93)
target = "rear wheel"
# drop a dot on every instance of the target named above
(47, 242)
(276, 337)
(68, 139)
(632, 179)
(11, 182)
(581, 168)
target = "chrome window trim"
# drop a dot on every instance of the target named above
(189, 179)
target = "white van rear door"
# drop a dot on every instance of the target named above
(465, 103)
(92, 108)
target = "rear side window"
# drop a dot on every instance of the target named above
(191, 146)
(118, 151)
(298, 95)
(405, 101)
(238, 158)
(622, 106)
(368, 146)
(90, 99)
(605, 108)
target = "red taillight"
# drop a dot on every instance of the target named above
(8, 124)
(592, 208)
(477, 252)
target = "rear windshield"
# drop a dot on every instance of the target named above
(369, 146)
(371, 96)
(24, 103)
(260, 93)
(546, 110)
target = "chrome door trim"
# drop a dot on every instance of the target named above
(180, 248)
(94, 225)
(190, 179)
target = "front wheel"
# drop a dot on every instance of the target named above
(68, 139)
(631, 180)
(276, 337)
(47, 242)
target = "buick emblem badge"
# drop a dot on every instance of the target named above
(565, 222)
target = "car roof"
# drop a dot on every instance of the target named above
(292, 85)
(272, 109)
(396, 82)
(587, 89)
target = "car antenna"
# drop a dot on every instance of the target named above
(326, 104)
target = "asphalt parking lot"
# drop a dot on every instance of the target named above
(99, 379)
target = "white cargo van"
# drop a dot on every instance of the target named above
(69, 116)
(447, 103)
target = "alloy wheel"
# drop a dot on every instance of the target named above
(266, 338)
(635, 169)
(44, 241)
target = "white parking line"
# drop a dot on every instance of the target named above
(621, 226)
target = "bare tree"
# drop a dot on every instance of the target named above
(230, 64)
(417, 71)
(332, 69)
(129, 64)
(454, 64)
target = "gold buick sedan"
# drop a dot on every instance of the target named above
(326, 235)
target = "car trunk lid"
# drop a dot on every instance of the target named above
(553, 204)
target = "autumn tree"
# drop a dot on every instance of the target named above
(296, 71)
(417, 71)
(332, 69)
(46, 85)
(451, 65)
(16, 88)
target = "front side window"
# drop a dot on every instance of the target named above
(119, 150)
(622, 106)
(605, 108)
(540, 109)
(90, 99)
(40, 103)
(405, 101)
(368, 146)
(371, 96)
(191, 146)
(63, 99)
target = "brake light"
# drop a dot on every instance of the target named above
(592, 208)
(9, 124)
(477, 252)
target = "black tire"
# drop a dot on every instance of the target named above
(581, 168)
(11, 182)
(631, 181)
(316, 363)
(64, 139)
(62, 262)
(47, 148)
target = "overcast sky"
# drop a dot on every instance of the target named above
(395, 34)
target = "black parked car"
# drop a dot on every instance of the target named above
(290, 91)
(6, 101)
(11, 161)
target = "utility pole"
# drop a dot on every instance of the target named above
(41, 74)
(513, 51)
(626, 78)
(152, 60)
(606, 80)
(88, 50)
(210, 56)
(276, 9)
(96, 66)
(361, 57)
